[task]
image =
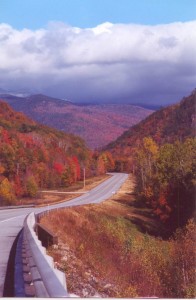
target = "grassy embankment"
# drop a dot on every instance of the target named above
(111, 250)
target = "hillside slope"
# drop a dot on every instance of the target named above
(175, 122)
(35, 156)
(108, 121)
(161, 152)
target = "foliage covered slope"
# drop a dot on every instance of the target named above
(108, 120)
(175, 122)
(161, 151)
(34, 156)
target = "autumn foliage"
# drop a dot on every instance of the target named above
(175, 122)
(109, 244)
(166, 179)
(97, 124)
(160, 151)
(33, 156)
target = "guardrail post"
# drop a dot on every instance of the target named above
(54, 283)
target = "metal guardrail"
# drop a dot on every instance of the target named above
(46, 279)
(46, 236)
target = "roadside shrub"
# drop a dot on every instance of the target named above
(183, 261)
(31, 187)
(7, 196)
(136, 264)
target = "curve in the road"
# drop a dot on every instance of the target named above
(11, 221)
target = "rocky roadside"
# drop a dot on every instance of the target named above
(81, 280)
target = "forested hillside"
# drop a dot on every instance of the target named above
(34, 156)
(175, 122)
(108, 120)
(161, 151)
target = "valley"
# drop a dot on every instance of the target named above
(98, 149)
(146, 231)
(108, 121)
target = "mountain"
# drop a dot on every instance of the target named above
(175, 122)
(97, 124)
(18, 93)
(35, 156)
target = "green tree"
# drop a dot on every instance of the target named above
(176, 179)
(31, 187)
(166, 179)
(108, 161)
(146, 156)
(6, 192)
(7, 157)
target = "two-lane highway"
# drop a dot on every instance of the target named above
(11, 220)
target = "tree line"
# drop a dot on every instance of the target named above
(166, 179)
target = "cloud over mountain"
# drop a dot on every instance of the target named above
(111, 62)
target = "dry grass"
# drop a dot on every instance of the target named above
(105, 251)
(98, 238)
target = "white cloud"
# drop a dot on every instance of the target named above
(110, 62)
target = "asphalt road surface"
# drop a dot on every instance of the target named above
(11, 220)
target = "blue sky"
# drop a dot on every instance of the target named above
(129, 51)
(34, 14)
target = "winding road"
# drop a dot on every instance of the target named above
(11, 220)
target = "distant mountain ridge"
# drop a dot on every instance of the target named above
(97, 124)
(175, 122)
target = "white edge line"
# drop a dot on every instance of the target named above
(12, 218)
